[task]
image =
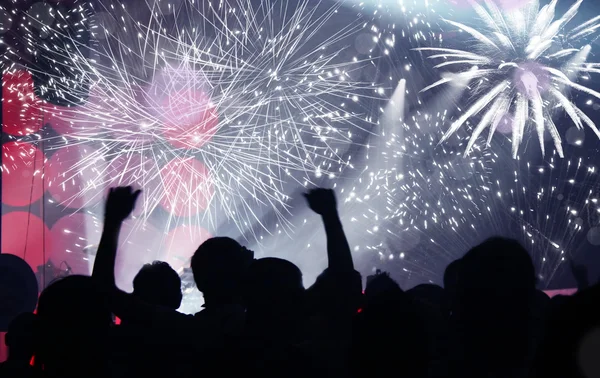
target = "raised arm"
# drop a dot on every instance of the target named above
(323, 202)
(119, 205)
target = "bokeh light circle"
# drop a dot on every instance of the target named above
(407, 240)
(189, 118)
(20, 106)
(593, 236)
(42, 15)
(129, 122)
(505, 125)
(72, 176)
(365, 43)
(74, 242)
(179, 98)
(6, 21)
(24, 235)
(575, 136)
(531, 79)
(22, 173)
(187, 185)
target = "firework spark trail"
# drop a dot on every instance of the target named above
(421, 204)
(525, 61)
(555, 204)
(283, 96)
(425, 204)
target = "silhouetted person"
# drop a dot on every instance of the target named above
(540, 310)
(430, 295)
(20, 341)
(275, 299)
(276, 342)
(493, 310)
(219, 267)
(389, 333)
(431, 301)
(159, 284)
(137, 351)
(451, 275)
(334, 298)
(571, 341)
(74, 325)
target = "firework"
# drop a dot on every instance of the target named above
(219, 110)
(421, 204)
(520, 64)
(225, 113)
(425, 204)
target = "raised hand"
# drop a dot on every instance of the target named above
(120, 203)
(321, 201)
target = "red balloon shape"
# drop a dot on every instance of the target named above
(189, 117)
(187, 185)
(22, 172)
(24, 235)
(92, 119)
(65, 120)
(74, 242)
(75, 176)
(20, 106)
(181, 243)
(140, 243)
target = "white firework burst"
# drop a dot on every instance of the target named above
(521, 63)
(261, 93)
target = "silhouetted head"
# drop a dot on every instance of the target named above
(158, 284)
(451, 275)
(220, 266)
(541, 302)
(73, 325)
(389, 314)
(500, 266)
(430, 295)
(20, 338)
(494, 303)
(74, 301)
(556, 302)
(381, 289)
(272, 283)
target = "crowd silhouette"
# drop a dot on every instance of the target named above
(488, 320)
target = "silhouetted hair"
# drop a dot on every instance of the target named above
(20, 336)
(159, 284)
(430, 294)
(220, 265)
(272, 280)
(500, 262)
(451, 275)
(74, 300)
(73, 322)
